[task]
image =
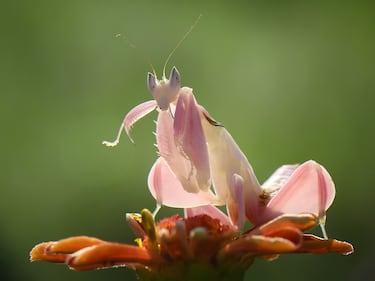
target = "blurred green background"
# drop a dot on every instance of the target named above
(291, 81)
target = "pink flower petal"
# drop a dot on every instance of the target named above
(167, 189)
(309, 189)
(134, 220)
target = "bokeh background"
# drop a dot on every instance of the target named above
(291, 81)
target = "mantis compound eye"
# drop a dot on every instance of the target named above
(174, 78)
(151, 82)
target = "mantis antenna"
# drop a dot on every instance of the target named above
(179, 43)
(138, 51)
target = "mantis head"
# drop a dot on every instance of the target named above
(164, 91)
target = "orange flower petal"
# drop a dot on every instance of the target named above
(301, 222)
(39, 253)
(317, 245)
(72, 244)
(109, 255)
(258, 245)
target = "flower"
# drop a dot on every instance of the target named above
(203, 242)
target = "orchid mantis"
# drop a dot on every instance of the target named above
(201, 164)
(191, 146)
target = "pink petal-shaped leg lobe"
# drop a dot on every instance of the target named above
(168, 190)
(309, 189)
(210, 211)
(189, 137)
(180, 164)
(277, 180)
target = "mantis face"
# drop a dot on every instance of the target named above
(164, 91)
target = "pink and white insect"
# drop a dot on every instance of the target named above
(200, 163)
